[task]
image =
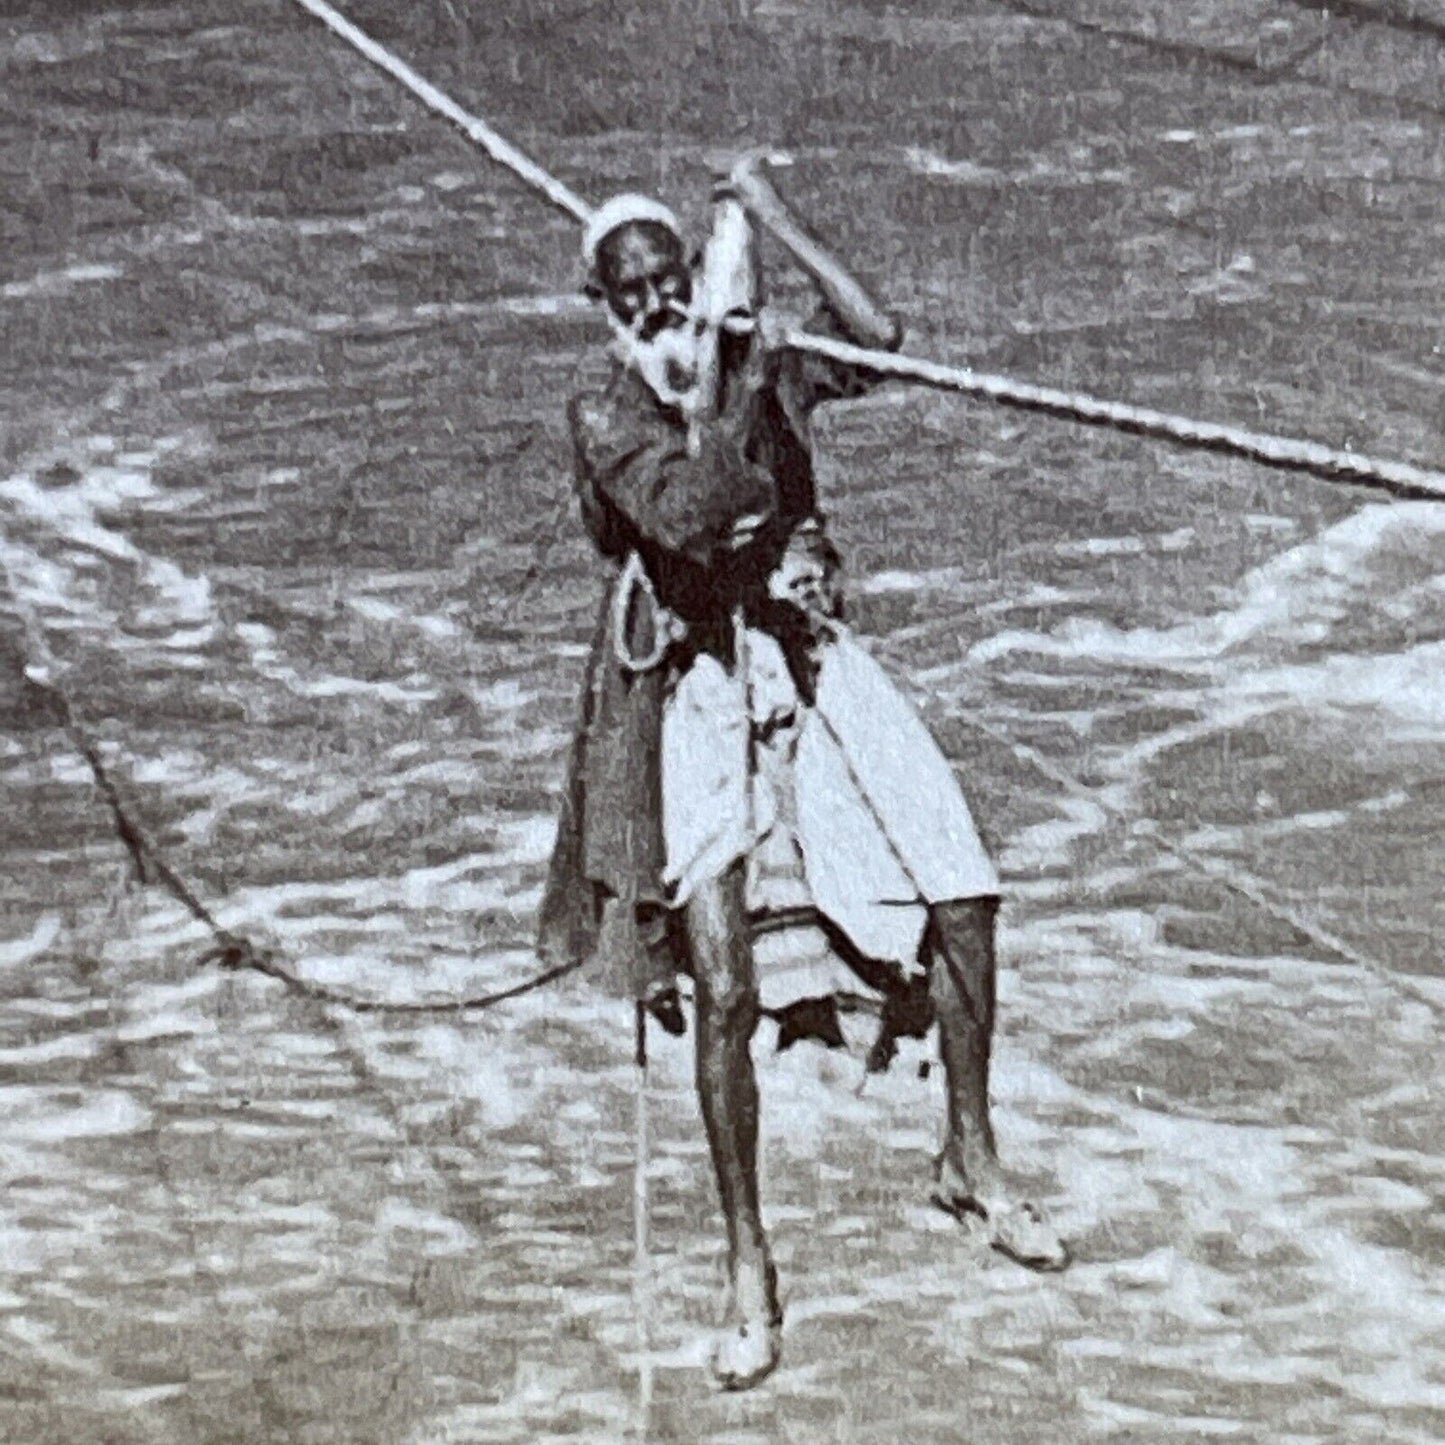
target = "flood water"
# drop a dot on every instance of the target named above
(285, 483)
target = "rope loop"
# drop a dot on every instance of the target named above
(634, 584)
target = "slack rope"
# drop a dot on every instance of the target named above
(1285, 453)
(229, 949)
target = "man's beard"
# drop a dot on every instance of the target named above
(663, 348)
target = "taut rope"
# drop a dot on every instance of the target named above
(1288, 453)
(477, 131)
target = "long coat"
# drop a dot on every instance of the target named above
(643, 494)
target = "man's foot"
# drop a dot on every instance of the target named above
(747, 1352)
(1016, 1228)
(749, 1345)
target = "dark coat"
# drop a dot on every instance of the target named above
(642, 493)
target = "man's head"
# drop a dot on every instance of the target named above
(637, 263)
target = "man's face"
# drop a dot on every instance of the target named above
(644, 275)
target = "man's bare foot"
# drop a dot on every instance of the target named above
(1016, 1228)
(747, 1353)
(751, 1342)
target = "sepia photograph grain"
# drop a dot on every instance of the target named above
(722, 722)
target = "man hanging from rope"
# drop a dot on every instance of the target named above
(725, 702)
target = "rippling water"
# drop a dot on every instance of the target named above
(285, 483)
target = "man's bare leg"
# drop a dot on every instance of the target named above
(960, 943)
(721, 951)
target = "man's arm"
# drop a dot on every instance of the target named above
(864, 321)
(697, 505)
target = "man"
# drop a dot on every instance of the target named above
(725, 701)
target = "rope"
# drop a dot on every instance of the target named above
(235, 951)
(1232, 878)
(1286, 453)
(229, 950)
(477, 131)
(641, 1219)
(266, 962)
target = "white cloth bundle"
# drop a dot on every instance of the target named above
(877, 816)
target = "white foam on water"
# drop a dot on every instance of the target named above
(439, 772)
(1112, 1416)
(1376, 573)
(503, 696)
(20, 1246)
(1378, 1192)
(222, 790)
(374, 609)
(526, 840)
(65, 1048)
(58, 283)
(443, 1235)
(927, 162)
(173, 767)
(268, 661)
(72, 515)
(162, 926)
(1192, 1293)
(121, 1399)
(452, 894)
(1268, 522)
(39, 1338)
(316, 801)
(1388, 1306)
(441, 629)
(900, 580)
(1128, 545)
(1258, 1185)
(1299, 597)
(169, 1010)
(478, 1070)
(558, 304)
(1048, 845)
(40, 939)
(1407, 688)
(324, 923)
(58, 547)
(37, 1115)
(450, 885)
(187, 640)
(1071, 170)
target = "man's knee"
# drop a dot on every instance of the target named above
(729, 994)
(968, 922)
(734, 1003)
(721, 951)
